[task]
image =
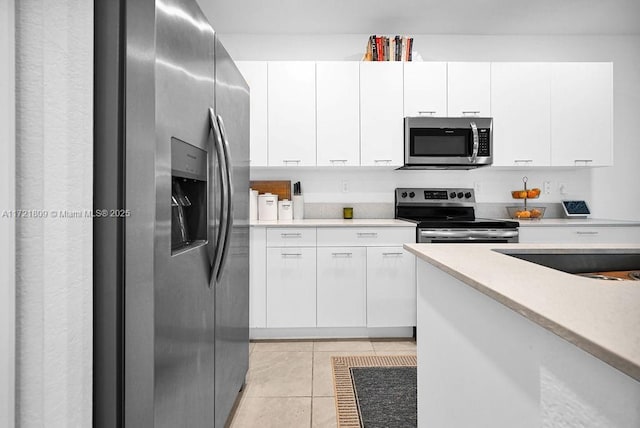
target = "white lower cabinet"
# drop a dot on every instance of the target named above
(391, 287)
(580, 234)
(258, 277)
(291, 287)
(341, 286)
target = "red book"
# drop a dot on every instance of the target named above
(379, 46)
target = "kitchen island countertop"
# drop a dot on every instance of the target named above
(600, 317)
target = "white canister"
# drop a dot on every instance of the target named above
(253, 204)
(268, 207)
(285, 210)
(298, 207)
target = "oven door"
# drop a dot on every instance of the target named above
(468, 236)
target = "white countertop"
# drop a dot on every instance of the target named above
(578, 222)
(334, 222)
(601, 317)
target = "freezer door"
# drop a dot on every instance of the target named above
(232, 289)
(184, 303)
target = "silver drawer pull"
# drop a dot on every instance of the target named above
(367, 234)
(291, 235)
(391, 254)
(429, 112)
(523, 160)
(291, 254)
(338, 160)
(288, 161)
(342, 254)
(382, 161)
(587, 233)
(471, 112)
(584, 161)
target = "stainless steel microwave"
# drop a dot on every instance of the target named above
(447, 142)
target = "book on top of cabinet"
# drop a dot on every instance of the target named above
(385, 48)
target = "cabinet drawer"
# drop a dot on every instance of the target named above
(291, 237)
(587, 234)
(365, 236)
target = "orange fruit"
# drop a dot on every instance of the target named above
(523, 214)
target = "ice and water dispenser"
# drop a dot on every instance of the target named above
(188, 196)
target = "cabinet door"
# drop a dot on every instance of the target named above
(292, 113)
(521, 109)
(338, 113)
(581, 114)
(391, 287)
(425, 89)
(381, 114)
(258, 277)
(469, 92)
(291, 287)
(255, 73)
(341, 287)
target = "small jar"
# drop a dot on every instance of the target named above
(347, 213)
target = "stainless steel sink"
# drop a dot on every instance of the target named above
(579, 262)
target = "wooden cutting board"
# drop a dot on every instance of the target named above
(281, 188)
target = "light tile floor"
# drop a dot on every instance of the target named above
(290, 383)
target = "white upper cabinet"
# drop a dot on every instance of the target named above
(292, 113)
(521, 105)
(469, 89)
(381, 113)
(255, 73)
(425, 89)
(581, 114)
(338, 113)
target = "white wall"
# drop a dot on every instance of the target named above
(54, 110)
(7, 224)
(611, 191)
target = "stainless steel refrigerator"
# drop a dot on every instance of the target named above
(171, 238)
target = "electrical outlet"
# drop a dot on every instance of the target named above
(477, 187)
(546, 187)
(345, 186)
(562, 188)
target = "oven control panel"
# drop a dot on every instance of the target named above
(426, 196)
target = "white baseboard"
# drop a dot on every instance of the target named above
(330, 333)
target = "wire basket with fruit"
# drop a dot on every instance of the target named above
(524, 212)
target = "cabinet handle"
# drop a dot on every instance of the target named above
(391, 254)
(523, 160)
(344, 161)
(367, 234)
(291, 235)
(587, 232)
(342, 254)
(291, 254)
(471, 113)
(387, 161)
(288, 161)
(429, 112)
(584, 161)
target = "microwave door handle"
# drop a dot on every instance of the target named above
(474, 131)
(223, 175)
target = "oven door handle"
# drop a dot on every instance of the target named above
(476, 142)
(469, 234)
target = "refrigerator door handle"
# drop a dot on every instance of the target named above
(224, 198)
(229, 217)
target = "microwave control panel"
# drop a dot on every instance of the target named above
(483, 142)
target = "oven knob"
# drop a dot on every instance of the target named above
(460, 195)
(467, 195)
(452, 195)
(404, 194)
(412, 194)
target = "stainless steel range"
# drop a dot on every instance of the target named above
(447, 215)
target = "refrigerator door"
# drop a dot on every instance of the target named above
(184, 317)
(232, 289)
